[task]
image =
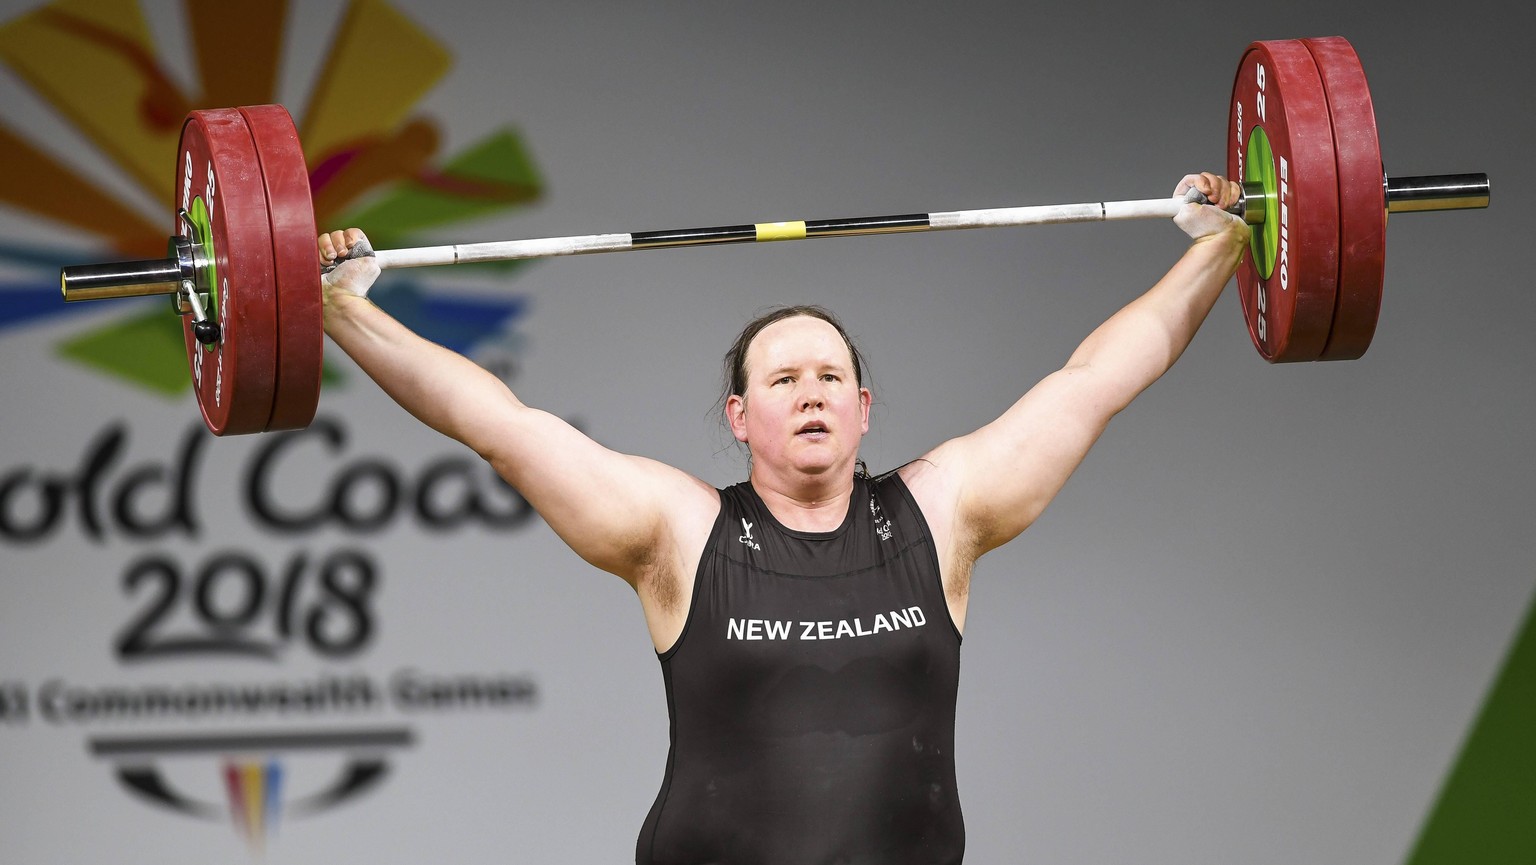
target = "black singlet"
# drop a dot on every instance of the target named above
(812, 695)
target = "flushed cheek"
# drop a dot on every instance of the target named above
(760, 424)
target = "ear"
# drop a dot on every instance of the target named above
(866, 398)
(736, 416)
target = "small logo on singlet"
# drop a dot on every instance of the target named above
(882, 525)
(746, 537)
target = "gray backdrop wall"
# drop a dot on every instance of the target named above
(1256, 627)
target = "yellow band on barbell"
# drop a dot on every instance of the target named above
(781, 230)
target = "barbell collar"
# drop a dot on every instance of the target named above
(1253, 190)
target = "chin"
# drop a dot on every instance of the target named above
(818, 467)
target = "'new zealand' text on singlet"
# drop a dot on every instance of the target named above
(812, 695)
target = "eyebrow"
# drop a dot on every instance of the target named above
(787, 368)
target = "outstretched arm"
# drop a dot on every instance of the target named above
(618, 512)
(985, 488)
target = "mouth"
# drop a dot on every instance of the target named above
(814, 430)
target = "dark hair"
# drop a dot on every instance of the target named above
(736, 357)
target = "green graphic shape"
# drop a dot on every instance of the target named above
(147, 349)
(1487, 807)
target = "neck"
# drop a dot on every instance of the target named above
(807, 504)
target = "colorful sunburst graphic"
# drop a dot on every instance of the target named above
(373, 161)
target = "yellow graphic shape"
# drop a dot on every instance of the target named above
(95, 61)
(380, 65)
(254, 790)
(36, 182)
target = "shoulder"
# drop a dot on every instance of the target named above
(933, 479)
(650, 517)
(691, 503)
(935, 483)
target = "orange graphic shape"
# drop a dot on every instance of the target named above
(239, 50)
(40, 184)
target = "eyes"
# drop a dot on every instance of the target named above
(829, 377)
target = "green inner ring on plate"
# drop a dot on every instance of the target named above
(1259, 165)
(208, 278)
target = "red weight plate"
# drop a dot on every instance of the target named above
(1362, 198)
(1289, 310)
(218, 175)
(297, 269)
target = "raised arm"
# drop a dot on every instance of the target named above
(622, 513)
(983, 489)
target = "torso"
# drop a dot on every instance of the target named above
(811, 690)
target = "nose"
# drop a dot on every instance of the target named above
(812, 396)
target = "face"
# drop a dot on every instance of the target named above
(803, 410)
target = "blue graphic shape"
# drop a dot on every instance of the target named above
(457, 322)
(27, 302)
(274, 787)
(36, 298)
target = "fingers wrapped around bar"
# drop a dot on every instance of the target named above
(1200, 220)
(347, 260)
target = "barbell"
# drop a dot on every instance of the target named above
(242, 270)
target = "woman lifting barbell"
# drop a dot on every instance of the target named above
(808, 619)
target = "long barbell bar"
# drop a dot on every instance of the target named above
(168, 275)
(165, 276)
(1301, 138)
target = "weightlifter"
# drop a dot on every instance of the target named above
(808, 620)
